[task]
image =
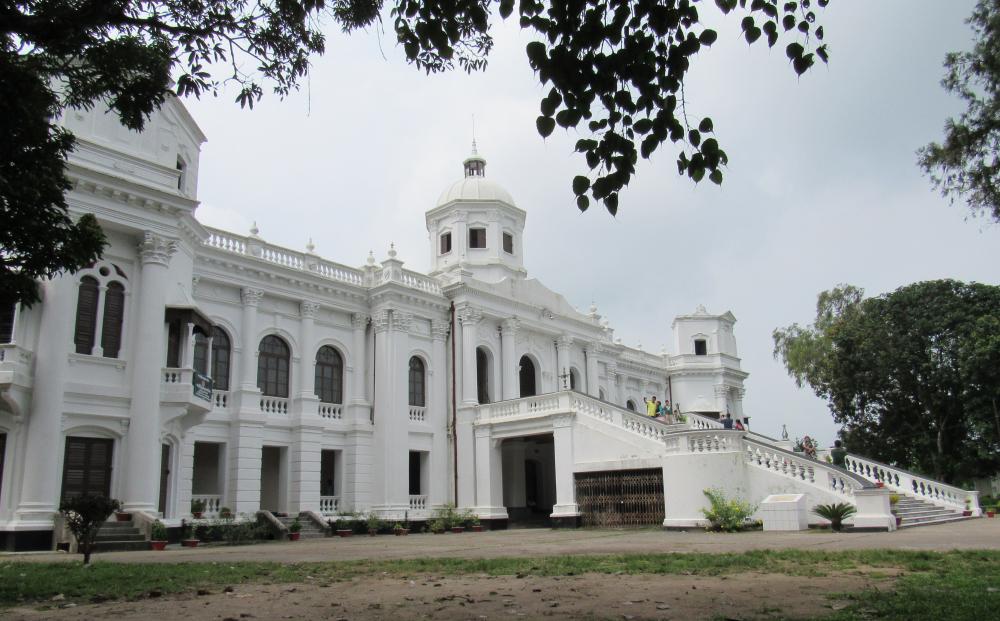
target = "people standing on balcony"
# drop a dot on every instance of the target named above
(738, 425)
(667, 411)
(727, 422)
(650, 406)
(838, 453)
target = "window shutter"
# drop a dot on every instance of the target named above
(86, 316)
(7, 322)
(114, 313)
(220, 359)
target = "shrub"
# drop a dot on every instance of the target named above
(158, 532)
(835, 513)
(197, 505)
(84, 517)
(448, 516)
(225, 513)
(727, 515)
(437, 526)
(373, 523)
(295, 526)
(893, 499)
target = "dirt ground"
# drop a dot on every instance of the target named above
(478, 597)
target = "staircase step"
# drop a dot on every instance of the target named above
(121, 546)
(956, 517)
(121, 537)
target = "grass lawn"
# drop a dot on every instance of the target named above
(931, 585)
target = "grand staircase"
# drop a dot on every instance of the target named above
(120, 537)
(309, 528)
(915, 512)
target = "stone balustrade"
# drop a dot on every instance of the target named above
(331, 411)
(801, 468)
(329, 505)
(418, 414)
(923, 488)
(274, 406)
(418, 502)
(212, 503)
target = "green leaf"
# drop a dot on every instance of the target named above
(580, 184)
(715, 177)
(708, 37)
(506, 8)
(705, 126)
(582, 203)
(545, 125)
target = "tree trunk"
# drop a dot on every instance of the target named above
(86, 555)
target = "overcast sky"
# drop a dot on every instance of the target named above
(822, 186)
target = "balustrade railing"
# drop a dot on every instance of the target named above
(329, 505)
(418, 502)
(713, 441)
(211, 502)
(801, 468)
(274, 406)
(220, 400)
(697, 421)
(418, 414)
(905, 482)
(332, 411)
(172, 376)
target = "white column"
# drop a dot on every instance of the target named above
(562, 440)
(592, 382)
(359, 321)
(40, 483)
(142, 463)
(248, 357)
(466, 466)
(390, 491)
(307, 355)
(470, 318)
(489, 476)
(305, 468)
(508, 343)
(244, 452)
(614, 386)
(437, 416)
(563, 343)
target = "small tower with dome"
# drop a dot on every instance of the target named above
(476, 227)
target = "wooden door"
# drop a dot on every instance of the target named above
(87, 467)
(164, 478)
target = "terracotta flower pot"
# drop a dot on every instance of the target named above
(190, 543)
(457, 529)
(476, 529)
(294, 536)
(401, 532)
(372, 532)
(121, 516)
(899, 521)
(990, 513)
(967, 513)
(158, 545)
(345, 532)
(197, 514)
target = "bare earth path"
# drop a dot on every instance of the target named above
(590, 596)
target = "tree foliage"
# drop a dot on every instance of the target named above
(615, 71)
(912, 375)
(965, 165)
(84, 517)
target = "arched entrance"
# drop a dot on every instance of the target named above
(526, 377)
(529, 484)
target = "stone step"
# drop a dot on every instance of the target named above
(120, 537)
(121, 546)
(955, 517)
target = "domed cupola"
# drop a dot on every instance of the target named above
(476, 227)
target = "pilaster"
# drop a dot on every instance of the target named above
(562, 439)
(508, 343)
(469, 317)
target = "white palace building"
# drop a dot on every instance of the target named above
(194, 363)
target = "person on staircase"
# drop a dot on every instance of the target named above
(650, 406)
(838, 454)
(727, 422)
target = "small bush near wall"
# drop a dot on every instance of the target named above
(231, 531)
(727, 515)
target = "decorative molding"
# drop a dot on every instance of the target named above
(401, 321)
(251, 296)
(439, 329)
(381, 320)
(155, 249)
(469, 315)
(511, 326)
(308, 309)
(359, 321)
(564, 341)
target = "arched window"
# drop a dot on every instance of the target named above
(329, 375)
(272, 367)
(630, 405)
(482, 375)
(526, 377)
(200, 362)
(86, 315)
(220, 358)
(417, 392)
(114, 314)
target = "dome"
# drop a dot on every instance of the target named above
(475, 189)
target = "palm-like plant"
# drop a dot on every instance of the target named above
(835, 513)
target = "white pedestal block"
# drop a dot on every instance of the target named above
(784, 512)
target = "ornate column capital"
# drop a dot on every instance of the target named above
(721, 391)
(511, 325)
(381, 320)
(359, 320)
(156, 249)
(401, 322)
(469, 315)
(251, 296)
(439, 329)
(564, 341)
(308, 309)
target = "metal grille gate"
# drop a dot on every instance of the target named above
(620, 498)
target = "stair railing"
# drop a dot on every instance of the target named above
(804, 469)
(912, 484)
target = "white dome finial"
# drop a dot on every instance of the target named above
(371, 257)
(311, 247)
(392, 250)
(254, 231)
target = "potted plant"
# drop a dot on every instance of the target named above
(475, 525)
(226, 513)
(995, 510)
(437, 526)
(123, 516)
(295, 530)
(400, 530)
(893, 500)
(836, 513)
(158, 535)
(343, 527)
(373, 524)
(968, 508)
(197, 508)
(188, 540)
